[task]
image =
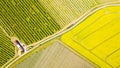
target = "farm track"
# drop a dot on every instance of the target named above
(27, 23)
(79, 19)
(39, 23)
(54, 56)
(6, 48)
(58, 33)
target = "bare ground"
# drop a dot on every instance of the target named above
(55, 56)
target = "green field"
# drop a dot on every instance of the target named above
(32, 57)
(33, 20)
(27, 20)
(65, 11)
(6, 48)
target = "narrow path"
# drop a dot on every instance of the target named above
(64, 30)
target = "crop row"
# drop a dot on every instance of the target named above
(27, 20)
(6, 48)
(65, 11)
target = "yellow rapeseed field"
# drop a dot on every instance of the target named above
(97, 38)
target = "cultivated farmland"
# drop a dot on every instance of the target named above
(66, 11)
(98, 37)
(54, 56)
(27, 20)
(6, 48)
(33, 20)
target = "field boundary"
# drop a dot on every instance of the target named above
(65, 29)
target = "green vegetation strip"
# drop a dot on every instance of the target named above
(35, 50)
(27, 20)
(6, 48)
